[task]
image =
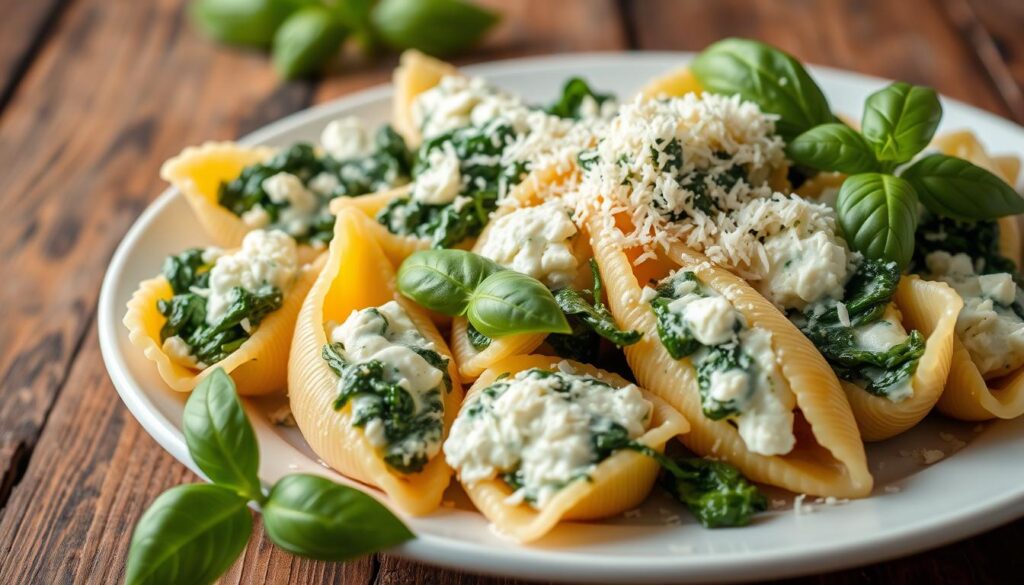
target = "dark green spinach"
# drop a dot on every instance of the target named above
(407, 429)
(585, 310)
(485, 177)
(185, 312)
(714, 491)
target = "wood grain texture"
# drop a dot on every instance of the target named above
(24, 28)
(114, 87)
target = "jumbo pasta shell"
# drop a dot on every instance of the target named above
(672, 84)
(358, 274)
(258, 366)
(828, 459)
(198, 173)
(932, 309)
(618, 483)
(396, 247)
(968, 396)
(415, 74)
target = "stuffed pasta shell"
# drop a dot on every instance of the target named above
(371, 382)
(569, 444)
(230, 309)
(234, 189)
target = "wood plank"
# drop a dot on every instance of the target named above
(121, 87)
(23, 31)
(994, 29)
(909, 40)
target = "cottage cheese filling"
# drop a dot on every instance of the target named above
(540, 426)
(265, 258)
(536, 241)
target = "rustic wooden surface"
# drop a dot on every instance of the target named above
(95, 94)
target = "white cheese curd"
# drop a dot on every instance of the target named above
(757, 391)
(346, 138)
(987, 326)
(765, 422)
(540, 426)
(324, 184)
(881, 335)
(301, 204)
(636, 170)
(180, 352)
(536, 241)
(265, 258)
(788, 247)
(459, 101)
(256, 218)
(441, 182)
(387, 334)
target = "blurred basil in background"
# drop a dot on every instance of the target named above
(303, 35)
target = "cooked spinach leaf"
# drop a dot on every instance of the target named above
(714, 491)
(720, 358)
(389, 165)
(867, 294)
(588, 307)
(407, 429)
(485, 177)
(977, 239)
(478, 340)
(185, 312)
(574, 95)
(675, 334)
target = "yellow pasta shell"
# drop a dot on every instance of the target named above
(396, 247)
(198, 172)
(932, 309)
(672, 84)
(968, 396)
(472, 362)
(965, 144)
(415, 74)
(358, 275)
(617, 484)
(828, 459)
(258, 366)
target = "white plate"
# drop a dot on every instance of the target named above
(972, 489)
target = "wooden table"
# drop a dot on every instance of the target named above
(95, 94)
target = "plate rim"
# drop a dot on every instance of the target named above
(928, 533)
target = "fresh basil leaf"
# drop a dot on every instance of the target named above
(242, 22)
(438, 27)
(220, 438)
(316, 518)
(510, 302)
(305, 41)
(878, 214)
(190, 535)
(772, 79)
(953, 187)
(444, 280)
(900, 120)
(833, 147)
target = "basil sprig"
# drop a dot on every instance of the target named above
(306, 40)
(438, 27)
(192, 533)
(496, 301)
(760, 73)
(878, 203)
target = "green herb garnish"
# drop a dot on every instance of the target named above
(191, 534)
